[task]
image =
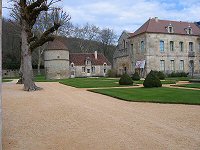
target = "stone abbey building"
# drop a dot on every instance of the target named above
(162, 45)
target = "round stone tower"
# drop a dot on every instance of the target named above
(56, 60)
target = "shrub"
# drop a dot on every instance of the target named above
(161, 75)
(135, 76)
(152, 80)
(112, 73)
(178, 74)
(125, 80)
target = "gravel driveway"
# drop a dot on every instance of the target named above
(65, 118)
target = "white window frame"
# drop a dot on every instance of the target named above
(162, 65)
(83, 69)
(162, 49)
(172, 65)
(181, 45)
(181, 65)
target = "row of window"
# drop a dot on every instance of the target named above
(93, 70)
(172, 44)
(181, 46)
(172, 65)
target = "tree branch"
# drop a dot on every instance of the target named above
(35, 5)
(44, 37)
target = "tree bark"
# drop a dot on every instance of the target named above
(28, 79)
(20, 81)
(39, 61)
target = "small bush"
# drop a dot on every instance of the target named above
(161, 75)
(125, 80)
(178, 74)
(112, 73)
(135, 76)
(152, 80)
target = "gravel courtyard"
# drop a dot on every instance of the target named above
(65, 118)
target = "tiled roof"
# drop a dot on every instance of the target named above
(56, 44)
(79, 59)
(160, 26)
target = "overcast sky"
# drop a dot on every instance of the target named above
(127, 14)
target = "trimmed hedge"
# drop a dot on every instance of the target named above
(178, 74)
(160, 75)
(135, 76)
(152, 80)
(125, 80)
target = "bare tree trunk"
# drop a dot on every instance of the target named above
(20, 81)
(29, 84)
(39, 61)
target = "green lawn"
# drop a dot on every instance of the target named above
(156, 95)
(91, 82)
(41, 78)
(6, 80)
(163, 82)
(194, 85)
(178, 78)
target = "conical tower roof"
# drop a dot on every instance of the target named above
(56, 44)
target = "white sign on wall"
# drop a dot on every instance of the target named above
(140, 64)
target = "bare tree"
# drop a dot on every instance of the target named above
(107, 37)
(86, 34)
(44, 21)
(29, 12)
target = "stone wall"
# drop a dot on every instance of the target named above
(56, 64)
(99, 71)
(152, 53)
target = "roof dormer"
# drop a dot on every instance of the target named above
(188, 29)
(170, 28)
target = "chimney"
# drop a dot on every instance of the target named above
(156, 19)
(95, 54)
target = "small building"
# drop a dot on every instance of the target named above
(56, 60)
(88, 64)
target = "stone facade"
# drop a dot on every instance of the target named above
(56, 60)
(122, 59)
(95, 71)
(89, 65)
(167, 52)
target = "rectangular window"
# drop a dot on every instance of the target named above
(199, 47)
(190, 46)
(124, 44)
(171, 45)
(162, 46)
(104, 70)
(181, 46)
(93, 69)
(88, 70)
(132, 47)
(142, 46)
(181, 65)
(172, 65)
(162, 65)
(83, 69)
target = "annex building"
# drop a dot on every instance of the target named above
(162, 45)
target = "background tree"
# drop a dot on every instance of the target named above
(29, 12)
(44, 21)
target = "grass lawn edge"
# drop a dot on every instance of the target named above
(139, 101)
